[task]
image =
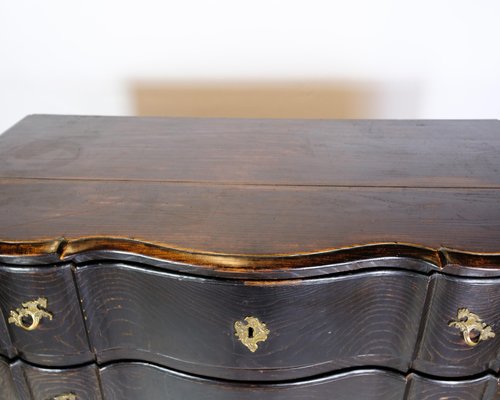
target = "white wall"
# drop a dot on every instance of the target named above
(60, 56)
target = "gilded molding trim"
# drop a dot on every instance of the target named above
(60, 250)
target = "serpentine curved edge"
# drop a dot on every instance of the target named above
(272, 266)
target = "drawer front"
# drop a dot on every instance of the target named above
(7, 387)
(41, 310)
(6, 347)
(483, 388)
(311, 327)
(136, 381)
(57, 384)
(444, 350)
(139, 381)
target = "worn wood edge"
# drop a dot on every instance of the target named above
(451, 261)
(324, 378)
(484, 377)
(359, 370)
(31, 252)
(458, 262)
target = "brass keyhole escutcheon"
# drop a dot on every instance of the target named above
(28, 316)
(473, 329)
(250, 332)
(67, 396)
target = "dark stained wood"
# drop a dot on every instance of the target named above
(355, 241)
(45, 384)
(6, 347)
(7, 388)
(421, 388)
(137, 381)
(416, 259)
(30, 252)
(249, 219)
(62, 341)
(293, 152)
(186, 323)
(248, 186)
(443, 351)
(134, 380)
(470, 264)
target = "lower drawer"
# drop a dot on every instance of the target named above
(137, 381)
(26, 382)
(142, 381)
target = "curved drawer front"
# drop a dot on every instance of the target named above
(35, 383)
(41, 311)
(312, 326)
(6, 347)
(483, 388)
(444, 351)
(137, 381)
(7, 387)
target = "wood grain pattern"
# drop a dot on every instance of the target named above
(45, 384)
(30, 252)
(131, 381)
(443, 351)
(294, 152)
(248, 203)
(421, 388)
(248, 219)
(6, 347)
(137, 380)
(316, 326)
(60, 342)
(7, 388)
(250, 186)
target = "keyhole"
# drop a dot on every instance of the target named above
(250, 332)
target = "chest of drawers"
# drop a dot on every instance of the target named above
(221, 259)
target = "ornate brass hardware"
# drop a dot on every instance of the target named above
(473, 329)
(67, 396)
(29, 316)
(251, 332)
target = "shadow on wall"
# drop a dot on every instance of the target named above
(275, 100)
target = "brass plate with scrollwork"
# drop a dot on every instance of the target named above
(473, 329)
(250, 332)
(28, 316)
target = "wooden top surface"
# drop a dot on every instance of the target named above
(285, 152)
(253, 186)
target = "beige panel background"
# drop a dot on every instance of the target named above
(257, 99)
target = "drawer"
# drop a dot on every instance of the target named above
(311, 326)
(139, 381)
(6, 347)
(7, 387)
(443, 350)
(59, 337)
(483, 388)
(34, 383)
